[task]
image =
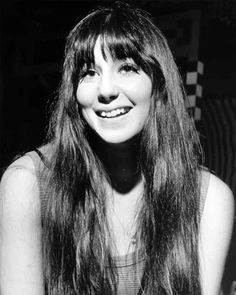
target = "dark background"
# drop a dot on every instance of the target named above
(32, 39)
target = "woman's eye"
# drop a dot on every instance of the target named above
(90, 73)
(129, 68)
(87, 74)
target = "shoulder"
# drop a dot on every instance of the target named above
(19, 191)
(219, 198)
(216, 193)
(21, 172)
(215, 232)
(219, 204)
(218, 214)
(20, 230)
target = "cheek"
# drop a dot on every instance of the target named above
(85, 114)
(143, 99)
(140, 90)
(88, 116)
(147, 91)
(84, 96)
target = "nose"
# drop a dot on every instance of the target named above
(107, 89)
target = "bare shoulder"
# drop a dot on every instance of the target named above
(219, 197)
(20, 230)
(19, 191)
(215, 233)
(219, 206)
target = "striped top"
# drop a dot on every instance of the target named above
(130, 267)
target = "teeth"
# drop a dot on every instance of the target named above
(113, 113)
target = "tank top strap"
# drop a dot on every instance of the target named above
(41, 170)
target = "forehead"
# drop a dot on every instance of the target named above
(101, 50)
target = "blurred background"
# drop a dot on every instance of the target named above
(201, 34)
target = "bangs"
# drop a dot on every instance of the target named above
(118, 38)
(120, 47)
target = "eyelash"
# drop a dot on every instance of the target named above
(129, 67)
(84, 73)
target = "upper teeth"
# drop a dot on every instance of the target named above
(113, 113)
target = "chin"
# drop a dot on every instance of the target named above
(117, 138)
(114, 140)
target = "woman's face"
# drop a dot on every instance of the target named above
(114, 96)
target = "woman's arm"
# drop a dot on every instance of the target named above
(215, 234)
(20, 231)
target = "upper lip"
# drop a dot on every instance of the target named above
(109, 108)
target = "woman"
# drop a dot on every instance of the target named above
(116, 202)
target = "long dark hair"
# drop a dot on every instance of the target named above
(76, 240)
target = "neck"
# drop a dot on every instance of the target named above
(121, 162)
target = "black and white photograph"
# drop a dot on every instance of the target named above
(117, 147)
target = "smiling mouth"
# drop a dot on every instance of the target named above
(114, 113)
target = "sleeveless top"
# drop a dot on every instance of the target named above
(129, 267)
